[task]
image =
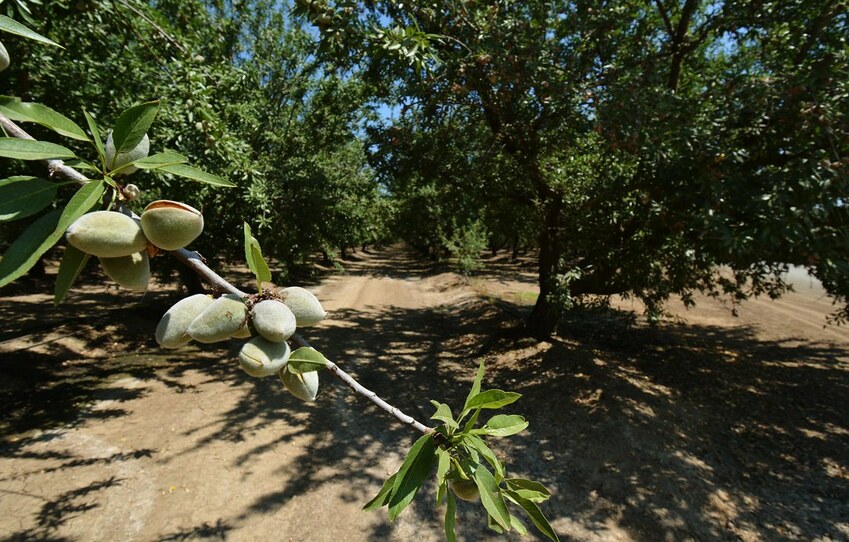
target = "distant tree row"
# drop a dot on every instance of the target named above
(242, 95)
(642, 145)
(637, 146)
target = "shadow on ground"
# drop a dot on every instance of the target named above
(681, 432)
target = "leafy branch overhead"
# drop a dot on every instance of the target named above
(24, 196)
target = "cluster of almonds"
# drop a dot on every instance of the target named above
(270, 319)
(124, 245)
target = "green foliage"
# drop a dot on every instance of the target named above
(12, 26)
(341, 205)
(132, 125)
(643, 146)
(461, 454)
(306, 360)
(255, 260)
(42, 234)
(24, 196)
(17, 110)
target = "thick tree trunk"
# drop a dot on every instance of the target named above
(546, 314)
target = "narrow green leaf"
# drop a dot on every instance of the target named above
(44, 232)
(14, 27)
(20, 111)
(22, 196)
(492, 524)
(306, 360)
(27, 149)
(28, 247)
(382, 496)
(253, 256)
(478, 444)
(443, 464)
(441, 490)
(502, 425)
(81, 203)
(411, 475)
(476, 388)
(443, 414)
(472, 421)
(161, 159)
(537, 517)
(196, 174)
(528, 489)
(491, 497)
(493, 399)
(450, 518)
(249, 241)
(73, 262)
(76, 163)
(95, 137)
(517, 524)
(132, 125)
(262, 272)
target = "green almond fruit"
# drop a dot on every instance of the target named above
(219, 321)
(4, 57)
(303, 386)
(466, 490)
(259, 357)
(173, 329)
(243, 332)
(107, 234)
(303, 304)
(273, 320)
(171, 225)
(131, 272)
(114, 161)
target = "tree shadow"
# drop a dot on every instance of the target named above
(684, 432)
(674, 432)
(54, 513)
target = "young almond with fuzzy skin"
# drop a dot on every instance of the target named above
(303, 386)
(173, 329)
(219, 321)
(303, 304)
(171, 225)
(243, 332)
(131, 272)
(466, 490)
(273, 320)
(259, 357)
(107, 234)
(113, 161)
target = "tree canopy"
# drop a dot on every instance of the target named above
(648, 148)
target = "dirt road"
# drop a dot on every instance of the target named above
(721, 429)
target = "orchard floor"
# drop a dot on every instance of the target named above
(708, 427)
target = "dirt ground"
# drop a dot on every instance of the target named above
(708, 427)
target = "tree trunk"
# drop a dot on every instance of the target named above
(546, 314)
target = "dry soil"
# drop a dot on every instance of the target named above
(708, 427)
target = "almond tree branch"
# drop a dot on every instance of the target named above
(56, 168)
(196, 263)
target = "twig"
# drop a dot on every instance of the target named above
(165, 35)
(56, 168)
(196, 263)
